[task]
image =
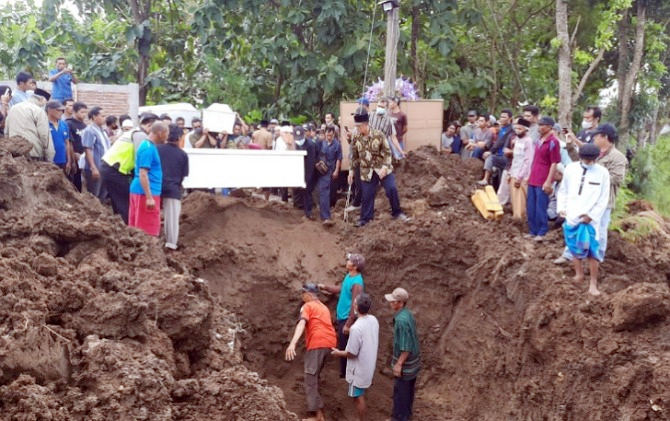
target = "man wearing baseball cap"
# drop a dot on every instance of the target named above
(582, 200)
(60, 134)
(541, 179)
(320, 338)
(406, 360)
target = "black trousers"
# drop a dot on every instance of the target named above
(403, 399)
(75, 178)
(118, 189)
(357, 191)
(342, 340)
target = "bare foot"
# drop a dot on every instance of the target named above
(594, 291)
(577, 279)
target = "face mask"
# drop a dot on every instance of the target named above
(586, 166)
(586, 124)
(300, 142)
(381, 111)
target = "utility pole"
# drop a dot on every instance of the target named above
(392, 9)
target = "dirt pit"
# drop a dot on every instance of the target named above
(99, 323)
(505, 334)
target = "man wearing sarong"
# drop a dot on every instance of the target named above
(582, 200)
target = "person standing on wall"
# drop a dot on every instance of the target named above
(62, 78)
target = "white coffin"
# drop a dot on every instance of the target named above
(218, 168)
(219, 118)
(187, 111)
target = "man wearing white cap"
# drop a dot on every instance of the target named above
(406, 360)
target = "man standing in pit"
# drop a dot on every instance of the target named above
(361, 353)
(406, 360)
(320, 339)
(372, 155)
(352, 286)
(145, 190)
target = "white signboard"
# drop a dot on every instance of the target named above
(219, 168)
(218, 118)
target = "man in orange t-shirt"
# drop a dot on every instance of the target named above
(320, 337)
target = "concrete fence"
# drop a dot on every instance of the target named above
(114, 99)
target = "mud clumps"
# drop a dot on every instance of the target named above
(94, 323)
(98, 323)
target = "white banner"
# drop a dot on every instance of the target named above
(244, 168)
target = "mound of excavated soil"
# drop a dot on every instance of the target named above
(94, 323)
(505, 333)
(98, 323)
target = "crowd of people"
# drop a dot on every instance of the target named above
(107, 156)
(355, 341)
(549, 175)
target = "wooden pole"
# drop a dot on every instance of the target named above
(392, 33)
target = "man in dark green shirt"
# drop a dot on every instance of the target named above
(406, 360)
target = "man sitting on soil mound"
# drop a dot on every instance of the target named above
(319, 340)
(582, 201)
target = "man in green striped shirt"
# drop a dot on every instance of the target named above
(406, 360)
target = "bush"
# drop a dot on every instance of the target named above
(650, 175)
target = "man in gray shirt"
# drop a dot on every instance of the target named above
(361, 353)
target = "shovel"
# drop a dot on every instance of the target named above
(346, 206)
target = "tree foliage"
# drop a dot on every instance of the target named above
(303, 57)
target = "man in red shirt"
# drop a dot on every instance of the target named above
(320, 338)
(542, 171)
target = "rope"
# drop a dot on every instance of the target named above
(367, 61)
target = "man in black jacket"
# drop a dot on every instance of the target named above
(496, 157)
(77, 126)
(304, 196)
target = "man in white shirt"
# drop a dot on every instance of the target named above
(361, 353)
(582, 200)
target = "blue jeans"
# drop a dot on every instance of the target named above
(324, 195)
(478, 153)
(369, 189)
(536, 208)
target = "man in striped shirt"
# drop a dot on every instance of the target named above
(406, 360)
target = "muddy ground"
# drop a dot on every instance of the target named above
(99, 323)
